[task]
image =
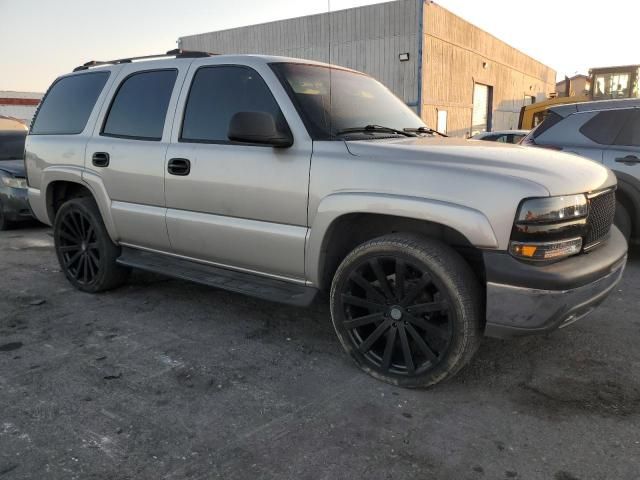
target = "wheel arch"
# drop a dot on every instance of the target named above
(337, 229)
(628, 194)
(60, 189)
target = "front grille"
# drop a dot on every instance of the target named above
(602, 209)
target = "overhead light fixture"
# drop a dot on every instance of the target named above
(404, 57)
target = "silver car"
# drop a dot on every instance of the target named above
(608, 132)
(281, 178)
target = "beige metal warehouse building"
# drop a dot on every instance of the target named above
(459, 78)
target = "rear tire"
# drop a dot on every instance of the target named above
(85, 251)
(622, 220)
(407, 309)
(4, 223)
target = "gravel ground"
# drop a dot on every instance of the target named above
(163, 379)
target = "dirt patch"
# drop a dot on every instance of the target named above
(570, 396)
(10, 347)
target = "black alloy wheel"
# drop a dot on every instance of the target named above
(78, 247)
(400, 315)
(85, 251)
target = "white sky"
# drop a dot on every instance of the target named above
(40, 39)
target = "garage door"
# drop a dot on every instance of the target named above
(481, 118)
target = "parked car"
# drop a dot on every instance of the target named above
(502, 136)
(608, 132)
(14, 204)
(240, 172)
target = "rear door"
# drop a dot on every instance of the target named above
(238, 205)
(128, 148)
(624, 155)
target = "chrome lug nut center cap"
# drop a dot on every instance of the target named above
(395, 313)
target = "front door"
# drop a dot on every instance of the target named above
(236, 205)
(128, 149)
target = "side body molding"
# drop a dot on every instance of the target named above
(471, 223)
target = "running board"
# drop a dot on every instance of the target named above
(234, 281)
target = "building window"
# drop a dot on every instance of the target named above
(482, 108)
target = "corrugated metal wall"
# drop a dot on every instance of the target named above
(368, 39)
(456, 54)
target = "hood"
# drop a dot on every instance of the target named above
(559, 173)
(13, 167)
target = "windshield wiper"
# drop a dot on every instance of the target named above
(425, 130)
(374, 128)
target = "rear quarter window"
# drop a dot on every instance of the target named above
(67, 105)
(549, 121)
(605, 127)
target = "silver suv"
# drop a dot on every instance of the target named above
(280, 178)
(608, 132)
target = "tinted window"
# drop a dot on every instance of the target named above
(549, 121)
(332, 100)
(12, 145)
(140, 105)
(630, 133)
(217, 93)
(68, 104)
(605, 126)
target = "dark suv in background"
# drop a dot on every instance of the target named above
(607, 132)
(14, 204)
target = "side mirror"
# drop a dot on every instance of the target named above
(259, 128)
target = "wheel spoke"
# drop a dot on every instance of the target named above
(365, 320)
(92, 246)
(399, 281)
(421, 343)
(73, 233)
(69, 248)
(382, 278)
(90, 233)
(73, 259)
(92, 270)
(416, 290)
(375, 335)
(94, 259)
(430, 329)
(388, 349)
(429, 307)
(361, 302)
(406, 350)
(79, 229)
(67, 236)
(367, 287)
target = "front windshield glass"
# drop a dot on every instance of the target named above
(331, 100)
(12, 145)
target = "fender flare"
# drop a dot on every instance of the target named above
(470, 223)
(92, 182)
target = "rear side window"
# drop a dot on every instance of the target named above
(550, 120)
(630, 133)
(606, 126)
(68, 104)
(218, 93)
(139, 108)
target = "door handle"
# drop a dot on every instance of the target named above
(179, 166)
(628, 160)
(100, 159)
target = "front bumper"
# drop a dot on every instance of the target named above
(15, 204)
(525, 299)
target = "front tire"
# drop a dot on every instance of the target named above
(85, 251)
(407, 309)
(4, 223)
(622, 220)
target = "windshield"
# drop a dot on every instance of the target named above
(331, 100)
(12, 145)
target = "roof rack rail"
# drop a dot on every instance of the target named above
(177, 53)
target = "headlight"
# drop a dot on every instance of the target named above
(13, 182)
(549, 228)
(552, 209)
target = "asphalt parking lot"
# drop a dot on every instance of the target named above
(163, 379)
